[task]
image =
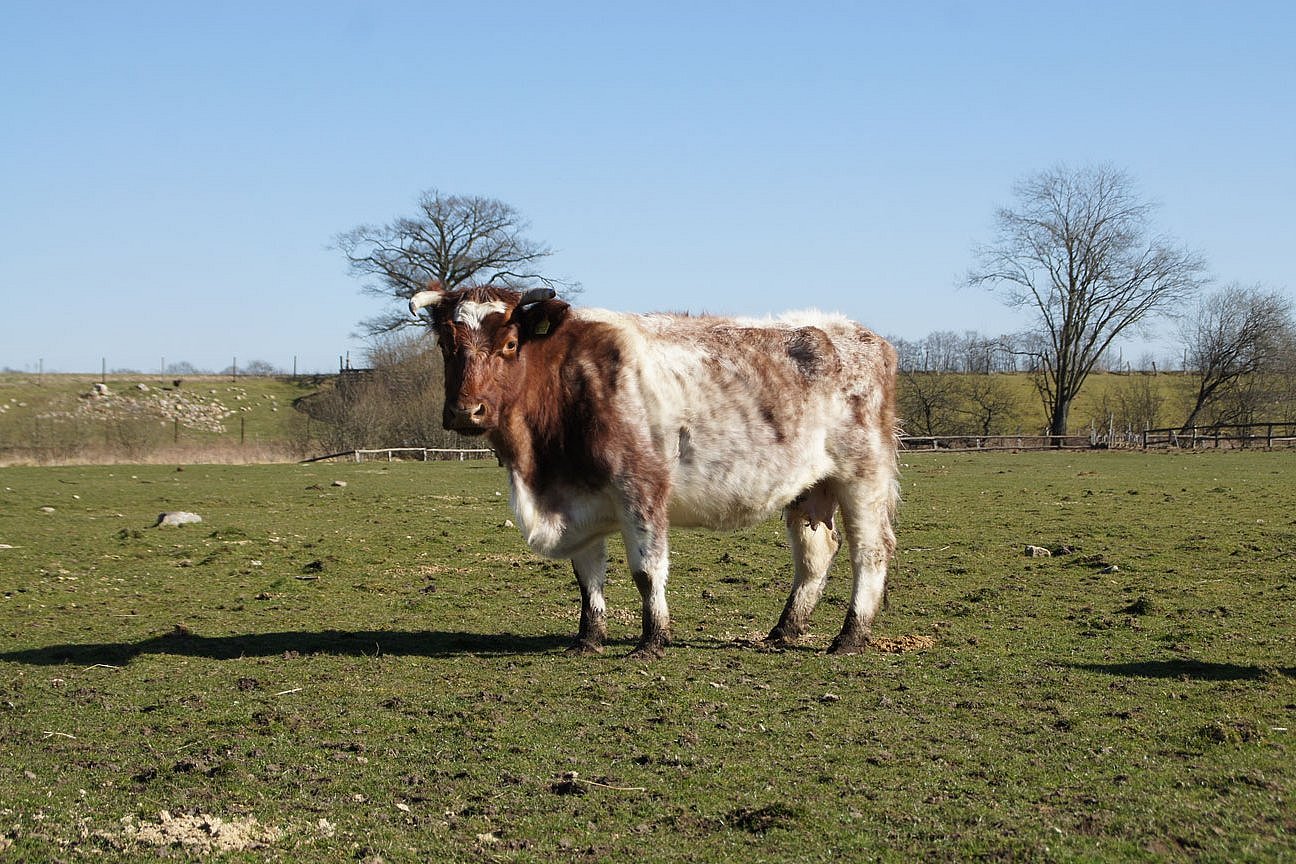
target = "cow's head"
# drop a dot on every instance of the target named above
(485, 336)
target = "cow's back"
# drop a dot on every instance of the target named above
(747, 414)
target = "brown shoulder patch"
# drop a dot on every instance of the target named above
(812, 352)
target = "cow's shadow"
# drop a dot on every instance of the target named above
(432, 643)
(1184, 670)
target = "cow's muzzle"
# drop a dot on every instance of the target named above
(466, 419)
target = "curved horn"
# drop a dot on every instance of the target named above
(536, 295)
(423, 299)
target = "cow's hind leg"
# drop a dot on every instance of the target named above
(867, 510)
(590, 565)
(648, 557)
(814, 542)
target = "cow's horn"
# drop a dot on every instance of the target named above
(537, 295)
(423, 299)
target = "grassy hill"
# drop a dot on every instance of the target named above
(86, 418)
(1133, 399)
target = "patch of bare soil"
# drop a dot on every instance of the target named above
(901, 644)
(197, 832)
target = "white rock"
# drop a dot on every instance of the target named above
(178, 517)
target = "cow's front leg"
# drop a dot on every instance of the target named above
(647, 554)
(590, 565)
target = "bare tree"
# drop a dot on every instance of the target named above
(927, 402)
(455, 240)
(1129, 405)
(1076, 251)
(395, 402)
(989, 403)
(1237, 335)
(942, 351)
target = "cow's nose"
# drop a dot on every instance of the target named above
(464, 416)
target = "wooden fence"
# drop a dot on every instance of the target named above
(1002, 442)
(418, 454)
(1235, 436)
(1232, 436)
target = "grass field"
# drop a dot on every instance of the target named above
(375, 672)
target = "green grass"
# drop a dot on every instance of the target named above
(375, 671)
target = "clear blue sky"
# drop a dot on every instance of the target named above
(172, 173)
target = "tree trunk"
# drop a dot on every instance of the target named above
(1204, 394)
(1058, 421)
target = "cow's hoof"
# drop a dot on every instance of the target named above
(647, 651)
(844, 644)
(583, 648)
(781, 637)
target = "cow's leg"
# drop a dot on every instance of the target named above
(867, 508)
(647, 554)
(814, 542)
(590, 565)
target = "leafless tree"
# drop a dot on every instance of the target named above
(989, 404)
(927, 402)
(1131, 404)
(942, 351)
(394, 402)
(1076, 251)
(455, 240)
(908, 352)
(1237, 335)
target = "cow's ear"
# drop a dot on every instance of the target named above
(538, 320)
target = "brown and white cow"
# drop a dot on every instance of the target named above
(611, 422)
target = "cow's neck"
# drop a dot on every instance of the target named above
(527, 420)
(546, 435)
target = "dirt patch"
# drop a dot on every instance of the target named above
(197, 832)
(756, 639)
(901, 644)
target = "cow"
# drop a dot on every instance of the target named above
(611, 422)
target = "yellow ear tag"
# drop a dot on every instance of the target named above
(542, 327)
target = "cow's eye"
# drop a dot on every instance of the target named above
(510, 346)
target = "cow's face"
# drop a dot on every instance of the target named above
(485, 335)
